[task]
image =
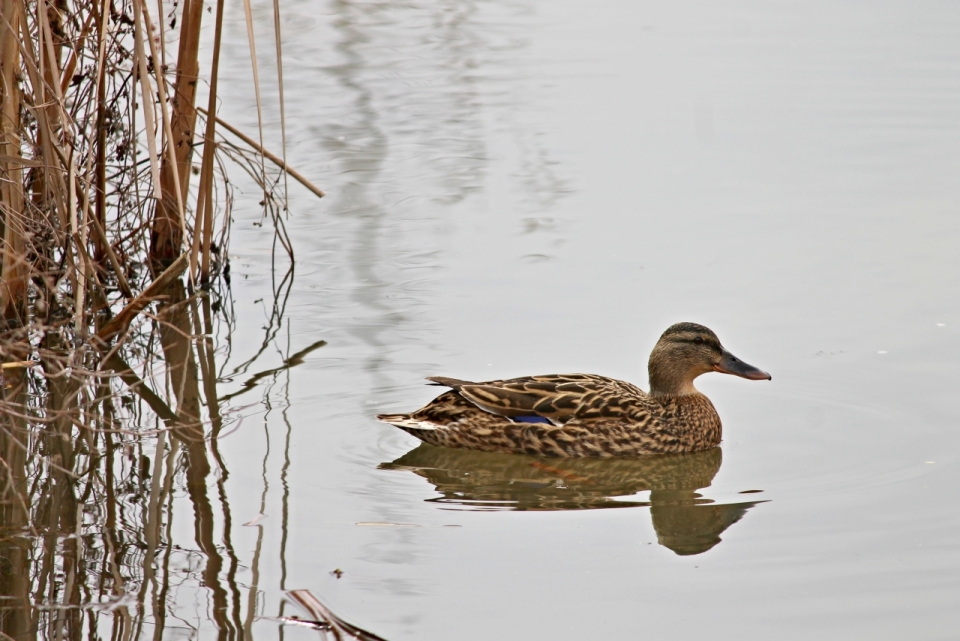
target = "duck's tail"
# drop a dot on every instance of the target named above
(446, 381)
(407, 422)
(423, 430)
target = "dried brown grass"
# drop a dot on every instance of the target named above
(106, 352)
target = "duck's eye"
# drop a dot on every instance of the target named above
(698, 340)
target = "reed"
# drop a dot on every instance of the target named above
(108, 385)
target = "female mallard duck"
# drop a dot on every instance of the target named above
(585, 414)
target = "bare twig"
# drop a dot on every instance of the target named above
(120, 322)
(319, 612)
(267, 154)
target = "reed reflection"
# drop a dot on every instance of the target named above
(685, 521)
(94, 454)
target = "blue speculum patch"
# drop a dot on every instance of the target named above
(530, 419)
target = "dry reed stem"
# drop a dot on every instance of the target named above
(204, 218)
(283, 112)
(248, 15)
(12, 293)
(169, 225)
(268, 155)
(146, 101)
(140, 10)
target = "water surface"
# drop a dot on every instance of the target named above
(533, 187)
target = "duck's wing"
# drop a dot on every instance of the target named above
(556, 397)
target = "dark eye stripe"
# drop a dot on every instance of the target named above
(702, 341)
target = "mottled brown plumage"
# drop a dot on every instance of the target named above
(585, 414)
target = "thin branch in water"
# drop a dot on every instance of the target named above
(291, 362)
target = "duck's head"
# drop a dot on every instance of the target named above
(687, 350)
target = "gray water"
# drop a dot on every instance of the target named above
(531, 187)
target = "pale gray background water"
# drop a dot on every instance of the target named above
(529, 187)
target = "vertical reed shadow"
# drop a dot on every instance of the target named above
(16, 613)
(175, 338)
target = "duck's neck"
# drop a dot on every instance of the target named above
(670, 381)
(672, 391)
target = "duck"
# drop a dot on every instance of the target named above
(586, 415)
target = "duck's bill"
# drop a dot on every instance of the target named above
(730, 364)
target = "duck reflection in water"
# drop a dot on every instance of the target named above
(685, 521)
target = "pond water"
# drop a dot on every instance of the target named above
(530, 187)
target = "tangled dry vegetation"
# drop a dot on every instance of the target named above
(114, 216)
